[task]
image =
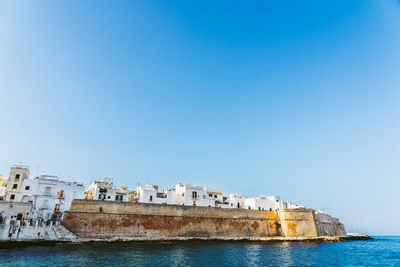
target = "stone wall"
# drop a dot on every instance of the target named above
(298, 223)
(329, 226)
(105, 220)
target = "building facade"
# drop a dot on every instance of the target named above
(15, 182)
(105, 190)
(272, 203)
(149, 194)
(50, 195)
(191, 195)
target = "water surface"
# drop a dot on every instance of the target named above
(377, 252)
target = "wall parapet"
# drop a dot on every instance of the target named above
(99, 206)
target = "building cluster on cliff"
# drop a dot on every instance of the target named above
(44, 199)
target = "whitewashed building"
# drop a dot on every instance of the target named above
(50, 195)
(149, 194)
(186, 194)
(15, 212)
(291, 205)
(105, 190)
(191, 195)
(272, 203)
(235, 201)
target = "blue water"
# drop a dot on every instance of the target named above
(382, 251)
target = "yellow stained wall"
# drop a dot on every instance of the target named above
(298, 223)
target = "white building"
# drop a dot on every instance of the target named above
(272, 203)
(12, 212)
(105, 190)
(149, 194)
(50, 195)
(186, 194)
(291, 205)
(235, 201)
(191, 195)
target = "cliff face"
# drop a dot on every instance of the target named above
(105, 220)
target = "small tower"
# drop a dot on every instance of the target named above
(15, 182)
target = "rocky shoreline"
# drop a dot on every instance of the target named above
(26, 243)
(261, 239)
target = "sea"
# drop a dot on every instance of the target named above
(380, 251)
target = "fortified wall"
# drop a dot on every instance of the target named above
(104, 220)
(328, 226)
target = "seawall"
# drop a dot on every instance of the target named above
(107, 220)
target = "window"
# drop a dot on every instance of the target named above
(259, 208)
(277, 200)
(61, 194)
(151, 198)
(57, 208)
(47, 190)
(103, 190)
(27, 187)
(231, 204)
(45, 202)
(119, 197)
(109, 197)
(194, 194)
(238, 205)
(249, 208)
(19, 217)
(215, 196)
(12, 196)
(210, 195)
(102, 196)
(15, 186)
(17, 177)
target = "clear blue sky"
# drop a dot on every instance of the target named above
(293, 98)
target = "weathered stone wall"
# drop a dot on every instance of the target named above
(298, 223)
(329, 226)
(105, 220)
(102, 219)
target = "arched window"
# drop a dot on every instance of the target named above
(151, 198)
